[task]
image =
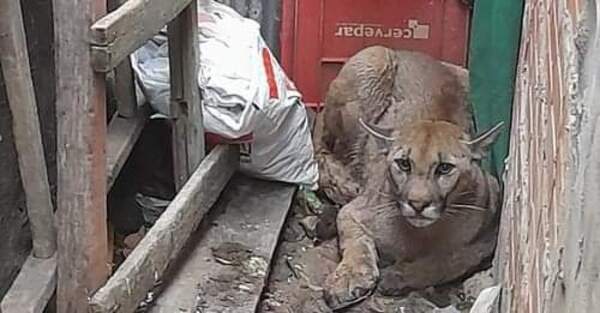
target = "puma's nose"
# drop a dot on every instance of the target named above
(419, 205)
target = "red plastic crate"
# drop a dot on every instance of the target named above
(318, 36)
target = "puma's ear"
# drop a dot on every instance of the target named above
(382, 135)
(480, 145)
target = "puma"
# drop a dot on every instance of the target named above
(396, 151)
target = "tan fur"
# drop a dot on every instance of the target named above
(421, 102)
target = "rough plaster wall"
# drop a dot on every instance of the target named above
(535, 181)
(548, 258)
(581, 291)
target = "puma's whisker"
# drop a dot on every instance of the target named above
(455, 212)
(468, 207)
(384, 193)
(382, 205)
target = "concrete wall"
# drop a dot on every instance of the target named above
(548, 257)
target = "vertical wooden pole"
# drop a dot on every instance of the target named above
(124, 86)
(81, 132)
(188, 133)
(124, 89)
(26, 128)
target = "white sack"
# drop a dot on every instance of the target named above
(245, 92)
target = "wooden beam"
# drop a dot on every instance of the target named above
(33, 287)
(188, 132)
(26, 128)
(121, 32)
(159, 248)
(81, 132)
(122, 135)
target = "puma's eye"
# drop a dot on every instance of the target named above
(403, 165)
(444, 169)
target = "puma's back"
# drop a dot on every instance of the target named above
(390, 88)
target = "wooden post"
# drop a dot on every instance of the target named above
(124, 89)
(188, 133)
(124, 86)
(81, 130)
(26, 128)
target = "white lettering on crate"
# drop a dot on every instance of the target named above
(414, 30)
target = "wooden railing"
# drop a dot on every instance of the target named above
(91, 154)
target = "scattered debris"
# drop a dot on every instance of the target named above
(256, 267)
(449, 309)
(131, 241)
(487, 302)
(288, 262)
(231, 253)
(309, 224)
(326, 227)
(293, 232)
(309, 200)
(319, 221)
(245, 269)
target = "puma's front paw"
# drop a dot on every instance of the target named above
(349, 284)
(392, 283)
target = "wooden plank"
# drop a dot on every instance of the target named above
(121, 32)
(26, 128)
(81, 131)
(33, 287)
(122, 135)
(250, 213)
(188, 133)
(146, 264)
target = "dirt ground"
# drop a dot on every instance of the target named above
(306, 255)
(302, 263)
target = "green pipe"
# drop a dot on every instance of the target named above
(493, 57)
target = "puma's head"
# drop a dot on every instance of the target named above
(431, 168)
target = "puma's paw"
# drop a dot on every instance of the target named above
(392, 283)
(349, 284)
